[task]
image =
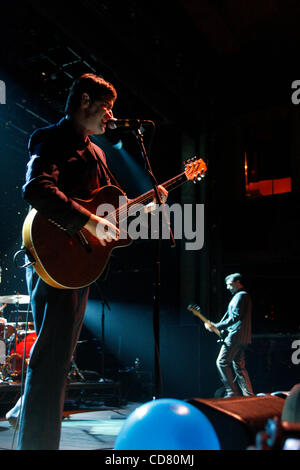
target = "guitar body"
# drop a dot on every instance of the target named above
(71, 262)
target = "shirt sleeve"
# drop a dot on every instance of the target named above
(41, 189)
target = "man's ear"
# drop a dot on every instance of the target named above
(85, 100)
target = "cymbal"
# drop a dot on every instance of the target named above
(15, 299)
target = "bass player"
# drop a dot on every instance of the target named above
(237, 325)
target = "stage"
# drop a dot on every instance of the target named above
(93, 416)
(243, 217)
(95, 412)
(81, 430)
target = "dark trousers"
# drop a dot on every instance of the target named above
(232, 369)
(58, 316)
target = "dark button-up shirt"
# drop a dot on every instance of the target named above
(63, 166)
(237, 319)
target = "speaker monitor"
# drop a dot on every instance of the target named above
(237, 420)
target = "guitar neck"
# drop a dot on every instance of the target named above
(168, 185)
(196, 312)
(194, 170)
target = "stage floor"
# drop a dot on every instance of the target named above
(93, 414)
(81, 430)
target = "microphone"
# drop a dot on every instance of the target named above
(125, 123)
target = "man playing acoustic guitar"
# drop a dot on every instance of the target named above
(64, 164)
(237, 324)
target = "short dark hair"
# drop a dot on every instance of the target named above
(96, 87)
(234, 277)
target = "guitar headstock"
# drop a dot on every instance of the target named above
(194, 308)
(195, 169)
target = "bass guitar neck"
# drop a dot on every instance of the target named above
(195, 309)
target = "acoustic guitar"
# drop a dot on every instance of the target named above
(72, 262)
(195, 309)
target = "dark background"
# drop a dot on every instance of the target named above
(216, 78)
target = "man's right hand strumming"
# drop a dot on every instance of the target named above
(102, 229)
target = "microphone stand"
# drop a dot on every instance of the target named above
(156, 298)
(104, 302)
(16, 324)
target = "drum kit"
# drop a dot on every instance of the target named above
(16, 340)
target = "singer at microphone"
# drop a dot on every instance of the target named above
(126, 123)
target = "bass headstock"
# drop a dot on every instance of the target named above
(194, 308)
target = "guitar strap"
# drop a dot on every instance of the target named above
(104, 167)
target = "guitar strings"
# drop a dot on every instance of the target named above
(123, 209)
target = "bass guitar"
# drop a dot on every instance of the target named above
(72, 262)
(195, 309)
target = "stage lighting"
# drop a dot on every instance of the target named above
(118, 145)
